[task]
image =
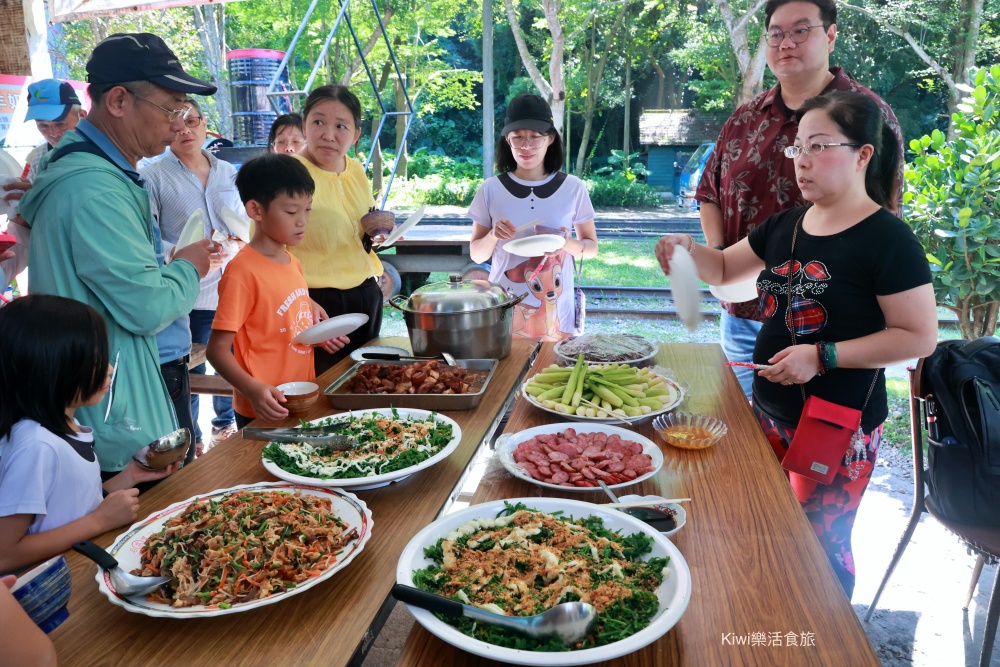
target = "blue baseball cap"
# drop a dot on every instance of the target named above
(50, 99)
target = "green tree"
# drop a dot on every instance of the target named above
(952, 200)
(948, 36)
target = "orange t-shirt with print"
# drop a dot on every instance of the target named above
(266, 304)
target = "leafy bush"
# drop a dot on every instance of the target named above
(619, 192)
(437, 191)
(953, 205)
(423, 163)
(624, 166)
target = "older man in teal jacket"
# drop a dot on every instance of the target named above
(92, 237)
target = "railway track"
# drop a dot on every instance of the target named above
(598, 296)
(634, 228)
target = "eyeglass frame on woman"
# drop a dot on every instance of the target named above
(192, 122)
(780, 34)
(526, 142)
(297, 144)
(810, 149)
(172, 114)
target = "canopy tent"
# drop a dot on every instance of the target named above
(61, 11)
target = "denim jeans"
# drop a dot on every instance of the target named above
(738, 339)
(201, 328)
(175, 375)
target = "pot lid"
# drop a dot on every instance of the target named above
(458, 296)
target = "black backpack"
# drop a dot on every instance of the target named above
(961, 386)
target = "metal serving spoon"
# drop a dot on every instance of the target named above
(569, 622)
(126, 584)
(655, 518)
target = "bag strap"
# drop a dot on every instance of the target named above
(88, 146)
(790, 320)
(972, 348)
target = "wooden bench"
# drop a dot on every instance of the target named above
(215, 385)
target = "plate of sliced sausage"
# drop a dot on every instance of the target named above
(573, 456)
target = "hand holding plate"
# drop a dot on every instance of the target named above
(665, 249)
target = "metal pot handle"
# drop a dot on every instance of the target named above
(516, 300)
(398, 297)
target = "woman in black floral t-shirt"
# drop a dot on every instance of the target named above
(860, 290)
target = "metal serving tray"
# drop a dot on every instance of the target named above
(346, 401)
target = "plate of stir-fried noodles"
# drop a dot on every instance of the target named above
(240, 548)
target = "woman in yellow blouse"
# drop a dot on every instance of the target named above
(340, 268)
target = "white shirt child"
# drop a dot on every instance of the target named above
(55, 478)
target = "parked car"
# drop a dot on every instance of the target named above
(691, 175)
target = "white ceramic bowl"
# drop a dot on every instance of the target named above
(506, 444)
(569, 360)
(678, 399)
(680, 517)
(375, 481)
(126, 550)
(674, 593)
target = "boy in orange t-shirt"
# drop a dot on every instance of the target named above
(263, 297)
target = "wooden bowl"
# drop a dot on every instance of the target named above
(378, 222)
(300, 397)
(165, 451)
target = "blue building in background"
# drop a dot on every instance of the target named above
(670, 137)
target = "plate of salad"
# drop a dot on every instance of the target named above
(393, 443)
(523, 556)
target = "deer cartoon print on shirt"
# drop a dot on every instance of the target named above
(543, 277)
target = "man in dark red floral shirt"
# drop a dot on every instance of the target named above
(748, 178)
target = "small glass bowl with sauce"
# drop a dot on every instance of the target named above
(667, 518)
(686, 431)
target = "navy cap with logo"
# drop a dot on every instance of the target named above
(51, 100)
(142, 56)
(528, 112)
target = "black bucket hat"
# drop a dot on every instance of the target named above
(528, 112)
(142, 56)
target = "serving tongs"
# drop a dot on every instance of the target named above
(321, 437)
(382, 356)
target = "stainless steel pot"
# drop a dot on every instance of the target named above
(471, 319)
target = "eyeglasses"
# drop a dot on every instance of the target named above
(192, 121)
(527, 142)
(285, 144)
(813, 149)
(172, 114)
(798, 35)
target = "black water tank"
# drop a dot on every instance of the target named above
(250, 73)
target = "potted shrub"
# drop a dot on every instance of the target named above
(952, 201)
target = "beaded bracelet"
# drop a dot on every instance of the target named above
(824, 361)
